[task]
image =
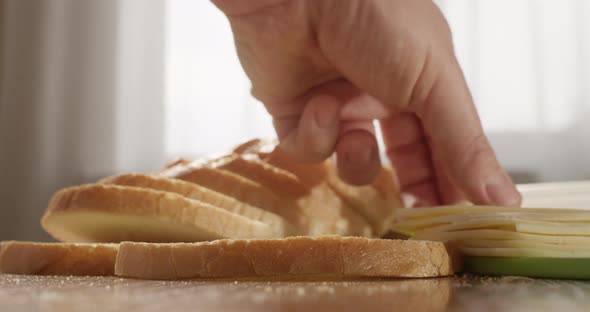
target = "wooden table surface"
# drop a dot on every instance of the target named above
(64, 294)
(460, 293)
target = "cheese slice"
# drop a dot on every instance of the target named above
(491, 234)
(418, 224)
(420, 213)
(574, 229)
(523, 252)
(515, 224)
(519, 243)
(485, 231)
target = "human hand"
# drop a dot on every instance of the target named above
(325, 69)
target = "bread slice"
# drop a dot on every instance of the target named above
(57, 258)
(241, 189)
(249, 166)
(224, 182)
(377, 202)
(194, 191)
(322, 203)
(327, 256)
(281, 182)
(267, 151)
(325, 212)
(111, 213)
(175, 163)
(320, 212)
(256, 146)
(328, 214)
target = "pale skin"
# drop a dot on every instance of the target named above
(325, 69)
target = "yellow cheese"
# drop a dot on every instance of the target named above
(515, 224)
(428, 212)
(518, 243)
(488, 234)
(502, 231)
(419, 213)
(523, 252)
(574, 229)
(419, 224)
(498, 223)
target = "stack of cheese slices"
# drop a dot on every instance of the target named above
(553, 243)
(253, 212)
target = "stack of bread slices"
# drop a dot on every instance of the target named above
(253, 212)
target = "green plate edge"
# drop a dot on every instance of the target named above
(554, 268)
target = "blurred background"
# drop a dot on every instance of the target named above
(90, 88)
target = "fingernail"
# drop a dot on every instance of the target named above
(501, 190)
(327, 116)
(356, 168)
(361, 157)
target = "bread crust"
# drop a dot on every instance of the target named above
(281, 182)
(268, 152)
(57, 258)
(294, 256)
(233, 185)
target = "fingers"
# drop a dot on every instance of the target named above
(315, 135)
(333, 121)
(448, 191)
(425, 194)
(412, 162)
(419, 171)
(409, 153)
(401, 129)
(406, 148)
(364, 107)
(312, 136)
(357, 153)
(451, 121)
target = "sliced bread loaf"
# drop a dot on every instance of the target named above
(241, 189)
(112, 213)
(320, 212)
(195, 191)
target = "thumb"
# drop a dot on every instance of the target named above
(451, 122)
